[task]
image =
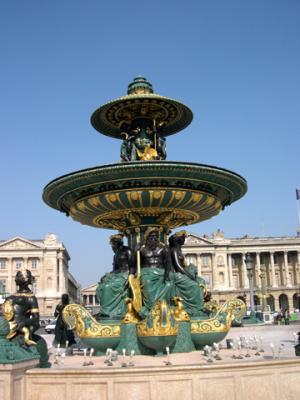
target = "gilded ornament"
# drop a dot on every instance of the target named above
(148, 154)
(135, 285)
(112, 197)
(160, 322)
(221, 322)
(157, 194)
(131, 316)
(179, 195)
(179, 312)
(8, 314)
(196, 197)
(8, 310)
(78, 318)
(134, 218)
(135, 195)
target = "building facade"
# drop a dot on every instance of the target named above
(221, 262)
(48, 260)
(89, 299)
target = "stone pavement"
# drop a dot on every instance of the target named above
(281, 336)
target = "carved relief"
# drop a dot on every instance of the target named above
(195, 240)
(17, 244)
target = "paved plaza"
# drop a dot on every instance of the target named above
(281, 336)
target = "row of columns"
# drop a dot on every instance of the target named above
(86, 299)
(269, 269)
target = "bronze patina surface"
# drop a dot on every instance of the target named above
(165, 193)
(141, 102)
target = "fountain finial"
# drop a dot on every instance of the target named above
(139, 85)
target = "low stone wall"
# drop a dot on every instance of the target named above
(12, 380)
(276, 380)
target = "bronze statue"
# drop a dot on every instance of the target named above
(61, 332)
(123, 259)
(113, 288)
(22, 311)
(176, 241)
(187, 284)
(155, 270)
(144, 142)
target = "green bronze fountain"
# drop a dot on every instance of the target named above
(152, 299)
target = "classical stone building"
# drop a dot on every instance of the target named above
(89, 299)
(48, 261)
(221, 262)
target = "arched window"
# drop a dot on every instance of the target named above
(235, 281)
(271, 302)
(90, 299)
(296, 301)
(283, 302)
(256, 300)
(84, 299)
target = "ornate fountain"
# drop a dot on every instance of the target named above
(139, 196)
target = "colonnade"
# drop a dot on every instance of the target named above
(281, 268)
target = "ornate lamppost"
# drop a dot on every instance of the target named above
(249, 266)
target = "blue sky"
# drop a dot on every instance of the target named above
(234, 63)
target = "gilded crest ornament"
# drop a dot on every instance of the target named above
(160, 322)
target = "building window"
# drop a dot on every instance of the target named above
(206, 279)
(234, 261)
(2, 263)
(235, 281)
(191, 259)
(205, 261)
(34, 288)
(2, 286)
(276, 259)
(261, 259)
(19, 263)
(34, 263)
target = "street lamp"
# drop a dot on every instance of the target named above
(249, 266)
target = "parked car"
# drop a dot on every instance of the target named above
(44, 322)
(50, 327)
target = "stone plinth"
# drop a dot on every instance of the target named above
(274, 379)
(12, 379)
